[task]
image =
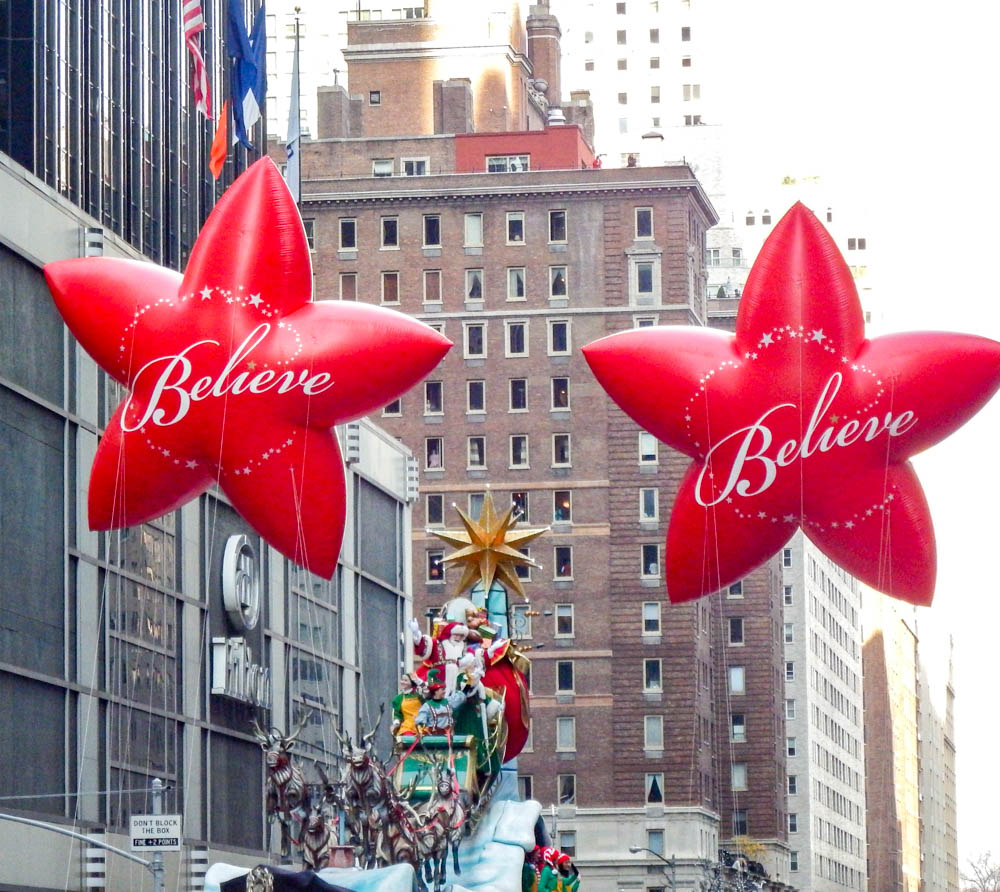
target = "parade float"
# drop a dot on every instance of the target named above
(443, 809)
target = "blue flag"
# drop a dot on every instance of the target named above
(249, 78)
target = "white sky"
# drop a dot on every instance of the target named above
(899, 99)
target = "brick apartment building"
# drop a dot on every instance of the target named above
(517, 248)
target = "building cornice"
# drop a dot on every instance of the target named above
(421, 189)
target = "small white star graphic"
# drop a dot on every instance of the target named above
(753, 355)
(818, 335)
(834, 419)
(166, 453)
(869, 513)
(251, 365)
(229, 300)
(849, 525)
(192, 463)
(255, 300)
(835, 524)
(767, 340)
(762, 515)
(854, 367)
(789, 518)
(729, 500)
(206, 293)
(246, 470)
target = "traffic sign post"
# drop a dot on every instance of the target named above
(157, 832)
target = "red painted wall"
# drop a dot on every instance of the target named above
(555, 148)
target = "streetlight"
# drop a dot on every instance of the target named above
(670, 862)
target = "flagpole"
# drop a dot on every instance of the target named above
(298, 111)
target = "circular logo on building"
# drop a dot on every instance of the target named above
(241, 582)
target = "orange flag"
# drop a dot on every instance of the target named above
(217, 157)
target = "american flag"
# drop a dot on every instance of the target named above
(194, 23)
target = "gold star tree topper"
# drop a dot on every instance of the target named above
(488, 548)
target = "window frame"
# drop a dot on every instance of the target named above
(567, 337)
(552, 394)
(738, 730)
(522, 465)
(509, 326)
(469, 410)
(652, 721)
(385, 245)
(510, 394)
(648, 210)
(515, 216)
(557, 573)
(733, 639)
(570, 800)
(383, 161)
(473, 275)
(429, 388)
(556, 507)
(348, 276)
(427, 509)
(556, 214)
(648, 619)
(655, 516)
(467, 327)
(427, 453)
(655, 451)
(433, 562)
(511, 271)
(739, 784)
(560, 665)
(391, 276)
(425, 219)
(469, 217)
(353, 227)
(414, 159)
(430, 273)
(469, 442)
(567, 722)
(562, 611)
(554, 270)
(647, 664)
(645, 562)
(741, 674)
(568, 463)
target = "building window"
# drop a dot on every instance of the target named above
(476, 500)
(648, 448)
(654, 61)
(310, 228)
(518, 395)
(473, 284)
(520, 620)
(765, 218)
(348, 286)
(793, 822)
(788, 595)
(435, 509)
(557, 281)
(857, 244)
(432, 286)
(654, 95)
(567, 842)
(348, 235)
(652, 681)
(654, 841)
(390, 287)
(737, 256)
(685, 34)
(650, 561)
(793, 784)
(623, 98)
(643, 223)
(741, 826)
(690, 120)
(507, 163)
(557, 226)
(435, 566)
(565, 734)
(394, 408)
(475, 340)
(562, 506)
(644, 321)
(651, 618)
(374, 97)
(786, 557)
(654, 788)
(560, 393)
(652, 726)
(713, 256)
(561, 450)
(737, 680)
(691, 91)
(382, 167)
(515, 283)
(735, 630)
(790, 747)
(685, 61)
(524, 787)
(588, 64)
(654, 35)
(519, 451)
(564, 676)
(517, 338)
(789, 709)
(433, 453)
(477, 452)
(567, 788)
(433, 398)
(622, 38)
(735, 590)
(644, 280)
(519, 499)
(515, 227)
(739, 776)
(564, 621)
(749, 218)
(475, 396)
(737, 728)
(793, 862)
(432, 231)
(789, 633)
(558, 337)
(649, 504)
(620, 8)
(563, 555)
(414, 167)
(390, 232)
(789, 670)
(473, 230)
(623, 64)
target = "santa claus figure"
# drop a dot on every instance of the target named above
(441, 652)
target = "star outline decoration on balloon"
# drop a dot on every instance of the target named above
(488, 547)
(796, 420)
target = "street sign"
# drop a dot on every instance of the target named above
(161, 833)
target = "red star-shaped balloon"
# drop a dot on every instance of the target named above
(235, 375)
(798, 420)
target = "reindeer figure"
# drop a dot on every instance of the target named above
(442, 823)
(285, 787)
(365, 788)
(319, 835)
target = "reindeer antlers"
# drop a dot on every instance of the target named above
(367, 739)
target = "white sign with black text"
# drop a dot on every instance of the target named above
(160, 832)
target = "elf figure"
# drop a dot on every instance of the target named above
(406, 705)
